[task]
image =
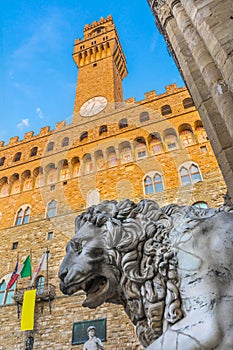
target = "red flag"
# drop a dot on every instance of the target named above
(25, 269)
(13, 278)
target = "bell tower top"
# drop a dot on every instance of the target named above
(101, 68)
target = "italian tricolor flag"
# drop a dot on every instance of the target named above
(25, 270)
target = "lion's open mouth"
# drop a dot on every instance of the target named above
(95, 289)
(94, 285)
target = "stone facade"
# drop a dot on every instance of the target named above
(199, 34)
(155, 148)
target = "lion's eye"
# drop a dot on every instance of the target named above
(76, 246)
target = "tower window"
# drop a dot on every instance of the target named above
(82, 47)
(105, 38)
(93, 42)
(50, 146)
(33, 152)
(2, 161)
(123, 123)
(65, 142)
(94, 64)
(17, 157)
(103, 129)
(188, 102)
(166, 109)
(83, 136)
(144, 116)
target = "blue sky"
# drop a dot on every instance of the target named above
(38, 75)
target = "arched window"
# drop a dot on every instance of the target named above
(64, 170)
(99, 159)
(15, 184)
(83, 136)
(4, 187)
(112, 157)
(148, 185)
(140, 147)
(65, 142)
(186, 137)
(51, 174)
(2, 161)
(39, 179)
(156, 146)
(125, 152)
(170, 139)
(87, 163)
(158, 183)
(185, 176)
(144, 116)
(27, 185)
(200, 132)
(188, 102)
(17, 157)
(40, 282)
(166, 109)
(23, 215)
(189, 174)
(153, 183)
(6, 295)
(75, 165)
(4, 190)
(103, 129)
(202, 205)
(50, 146)
(33, 151)
(195, 173)
(52, 209)
(123, 123)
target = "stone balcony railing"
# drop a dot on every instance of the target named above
(47, 293)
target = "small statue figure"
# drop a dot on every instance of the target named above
(93, 343)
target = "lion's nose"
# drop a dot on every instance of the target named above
(62, 273)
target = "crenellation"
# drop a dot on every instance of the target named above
(28, 135)
(150, 95)
(14, 140)
(44, 131)
(60, 125)
(170, 89)
(130, 100)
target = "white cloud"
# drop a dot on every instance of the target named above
(23, 123)
(39, 113)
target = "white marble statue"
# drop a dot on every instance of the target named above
(171, 268)
(93, 343)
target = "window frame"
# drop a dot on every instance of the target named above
(52, 209)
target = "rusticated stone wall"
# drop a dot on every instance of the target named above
(123, 180)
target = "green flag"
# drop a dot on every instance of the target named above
(27, 268)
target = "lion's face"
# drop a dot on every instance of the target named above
(85, 267)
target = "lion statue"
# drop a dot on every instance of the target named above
(171, 268)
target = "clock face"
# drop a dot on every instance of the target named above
(93, 106)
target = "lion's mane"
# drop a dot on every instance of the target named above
(138, 243)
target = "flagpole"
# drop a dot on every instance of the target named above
(31, 262)
(16, 283)
(47, 266)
